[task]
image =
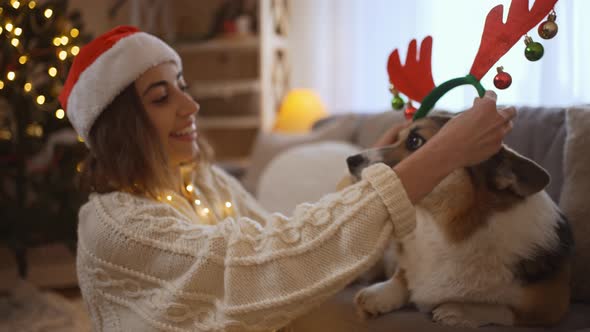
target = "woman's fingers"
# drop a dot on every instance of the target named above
(491, 95)
(508, 113)
(390, 136)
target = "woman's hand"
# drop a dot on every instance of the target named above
(390, 136)
(465, 140)
(475, 135)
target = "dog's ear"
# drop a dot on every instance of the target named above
(514, 172)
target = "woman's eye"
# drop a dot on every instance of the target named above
(414, 141)
(161, 100)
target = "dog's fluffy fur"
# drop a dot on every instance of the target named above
(490, 246)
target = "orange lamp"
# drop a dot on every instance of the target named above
(300, 109)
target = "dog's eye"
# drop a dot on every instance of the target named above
(414, 141)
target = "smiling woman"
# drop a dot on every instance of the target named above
(162, 249)
(155, 110)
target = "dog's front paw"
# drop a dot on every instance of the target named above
(378, 299)
(453, 314)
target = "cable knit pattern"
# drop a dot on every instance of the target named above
(143, 265)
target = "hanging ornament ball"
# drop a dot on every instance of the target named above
(502, 80)
(410, 111)
(534, 50)
(548, 29)
(397, 103)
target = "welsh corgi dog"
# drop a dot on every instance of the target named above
(490, 246)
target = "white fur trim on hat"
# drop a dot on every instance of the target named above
(111, 73)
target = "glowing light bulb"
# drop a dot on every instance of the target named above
(32, 4)
(197, 201)
(10, 75)
(40, 99)
(62, 55)
(52, 71)
(74, 50)
(14, 42)
(15, 4)
(28, 87)
(1, 30)
(227, 204)
(34, 130)
(56, 41)
(206, 211)
(189, 188)
(9, 27)
(169, 197)
(5, 134)
(48, 12)
(64, 40)
(18, 31)
(74, 32)
(60, 114)
(1, 85)
(22, 59)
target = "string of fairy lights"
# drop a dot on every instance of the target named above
(210, 209)
(38, 44)
(208, 213)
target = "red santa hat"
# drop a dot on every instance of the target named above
(104, 68)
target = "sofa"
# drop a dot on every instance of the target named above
(556, 138)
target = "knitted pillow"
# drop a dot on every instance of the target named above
(269, 145)
(574, 196)
(303, 174)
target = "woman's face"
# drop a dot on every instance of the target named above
(171, 110)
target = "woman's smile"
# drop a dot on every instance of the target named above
(187, 134)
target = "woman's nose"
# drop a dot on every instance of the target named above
(189, 105)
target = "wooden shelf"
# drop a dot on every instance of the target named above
(228, 122)
(220, 44)
(223, 89)
(238, 81)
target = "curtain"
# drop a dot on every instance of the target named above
(339, 48)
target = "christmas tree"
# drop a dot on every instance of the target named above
(40, 154)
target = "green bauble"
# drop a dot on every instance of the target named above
(534, 51)
(397, 103)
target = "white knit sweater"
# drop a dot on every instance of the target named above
(145, 266)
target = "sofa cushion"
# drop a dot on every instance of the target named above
(304, 173)
(268, 145)
(574, 199)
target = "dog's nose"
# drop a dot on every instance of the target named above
(354, 162)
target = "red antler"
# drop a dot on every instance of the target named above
(414, 79)
(498, 37)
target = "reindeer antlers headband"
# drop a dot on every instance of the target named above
(414, 78)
